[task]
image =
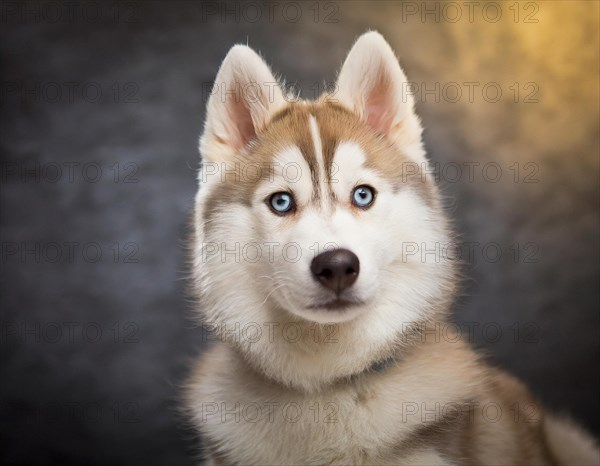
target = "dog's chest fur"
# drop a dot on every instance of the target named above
(418, 410)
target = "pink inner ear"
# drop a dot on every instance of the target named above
(378, 117)
(378, 111)
(242, 128)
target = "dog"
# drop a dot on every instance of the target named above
(327, 330)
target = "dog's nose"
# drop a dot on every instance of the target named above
(336, 269)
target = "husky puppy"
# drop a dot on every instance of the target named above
(310, 225)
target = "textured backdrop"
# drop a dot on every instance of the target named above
(101, 108)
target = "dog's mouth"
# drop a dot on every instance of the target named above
(335, 305)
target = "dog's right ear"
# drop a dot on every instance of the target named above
(245, 95)
(372, 84)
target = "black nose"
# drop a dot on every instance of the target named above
(336, 269)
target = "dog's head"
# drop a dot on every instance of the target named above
(318, 212)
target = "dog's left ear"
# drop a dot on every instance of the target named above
(372, 85)
(244, 97)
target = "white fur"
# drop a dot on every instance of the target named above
(249, 302)
(390, 109)
(246, 92)
(316, 137)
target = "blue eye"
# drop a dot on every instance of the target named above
(281, 203)
(363, 196)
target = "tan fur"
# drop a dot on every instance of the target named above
(437, 398)
(290, 126)
(321, 400)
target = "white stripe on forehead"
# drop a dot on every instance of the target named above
(349, 156)
(290, 170)
(347, 168)
(316, 137)
(348, 159)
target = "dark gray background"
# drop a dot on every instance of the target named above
(112, 398)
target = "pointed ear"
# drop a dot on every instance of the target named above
(245, 95)
(372, 85)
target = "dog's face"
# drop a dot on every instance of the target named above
(327, 202)
(318, 211)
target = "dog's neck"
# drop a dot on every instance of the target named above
(295, 374)
(382, 366)
(377, 368)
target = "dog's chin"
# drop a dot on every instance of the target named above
(331, 311)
